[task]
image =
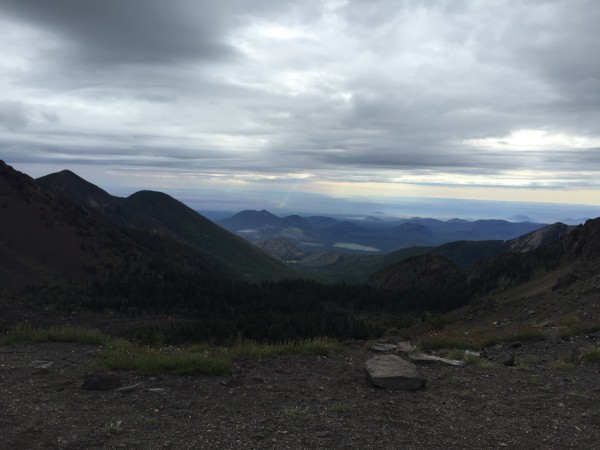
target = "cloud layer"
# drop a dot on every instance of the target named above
(463, 94)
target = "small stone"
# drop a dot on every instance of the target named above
(155, 389)
(508, 361)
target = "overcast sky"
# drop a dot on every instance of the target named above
(362, 100)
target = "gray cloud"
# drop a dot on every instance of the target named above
(13, 115)
(113, 31)
(336, 89)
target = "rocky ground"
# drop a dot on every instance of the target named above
(301, 402)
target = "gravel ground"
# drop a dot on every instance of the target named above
(300, 402)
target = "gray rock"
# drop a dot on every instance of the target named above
(101, 381)
(508, 360)
(393, 373)
(422, 358)
(383, 348)
(405, 347)
(41, 364)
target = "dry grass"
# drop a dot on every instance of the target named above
(27, 333)
(591, 355)
(119, 354)
(479, 337)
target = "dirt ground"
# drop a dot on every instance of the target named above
(300, 402)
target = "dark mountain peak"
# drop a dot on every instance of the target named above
(67, 173)
(413, 229)
(76, 188)
(66, 177)
(5, 168)
(297, 221)
(539, 238)
(250, 218)
(49, 235)
(148, 195)
(12, 179)
(254, 213)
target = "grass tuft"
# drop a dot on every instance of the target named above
(341, 407)
(565, 362)
(562, 365)
(480, 362)
(579, 328)
(591, 355)
(527, 360)
(253, 350)
(479, 337)
(293, 411)
(197, 359)
(452, 353)
(80, 335)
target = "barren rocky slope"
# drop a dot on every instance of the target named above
(300, 402)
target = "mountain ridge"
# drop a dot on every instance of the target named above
(384, 236)
(63, 227)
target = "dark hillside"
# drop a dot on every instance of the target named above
(43, 236)
(539, 238)
(167, 218)
(161, 212)
(580, 244)
(429, 277)
(428, 282)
